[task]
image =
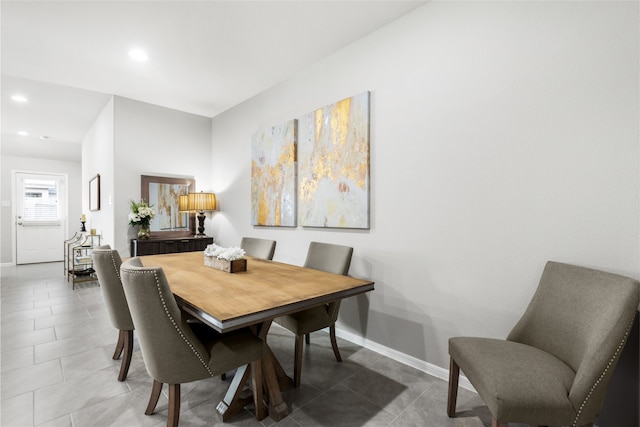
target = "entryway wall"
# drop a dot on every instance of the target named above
(9, 163)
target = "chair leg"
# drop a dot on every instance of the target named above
(256, 384)
(496, 423)
(454, 375)
(307, 338)
(128, 352)
(334, 343)
(174, 405)
(297, 364)
(153, 399)
(119, 345)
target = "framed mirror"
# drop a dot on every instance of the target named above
(94, 193)
(162, 193)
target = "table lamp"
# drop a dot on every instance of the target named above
(183, 206)
(201, 202)
(183, 203)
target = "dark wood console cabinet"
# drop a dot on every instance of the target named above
(168, 245)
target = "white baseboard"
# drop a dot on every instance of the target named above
(418, 364)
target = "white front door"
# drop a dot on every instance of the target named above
(40, 217)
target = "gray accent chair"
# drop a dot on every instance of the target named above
(107, 263)
(175, 351)
(258, 248)
(555, 365)
(332, 259)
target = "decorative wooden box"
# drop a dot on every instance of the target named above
(225, 265)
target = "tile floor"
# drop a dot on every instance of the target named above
(57, 371)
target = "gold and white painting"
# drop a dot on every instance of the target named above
(163, 198)
(333, 165)
(273, 176)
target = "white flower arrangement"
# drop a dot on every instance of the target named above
(229, 254)
(141, 214)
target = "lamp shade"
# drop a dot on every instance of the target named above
(202, 202)
(183, 203)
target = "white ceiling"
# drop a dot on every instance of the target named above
(204, 57)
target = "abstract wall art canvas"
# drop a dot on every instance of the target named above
(273, 176)
(163, 197)
(333, 165)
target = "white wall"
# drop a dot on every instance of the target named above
(33, 164)
(132, 138)
(503, 135)
(153, 140)
(97, 158)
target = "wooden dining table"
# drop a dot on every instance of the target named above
(252, 298)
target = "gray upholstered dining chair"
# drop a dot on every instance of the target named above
(332, 259)
(175, 351)
(258, 248)
(555, 365)
(107, 263)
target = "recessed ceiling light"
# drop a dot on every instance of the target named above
(23, 133)
(138, 54)
(19, 98)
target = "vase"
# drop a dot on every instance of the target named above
(144, 233)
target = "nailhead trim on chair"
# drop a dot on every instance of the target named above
(173, 322)
(618, 350)
(115, 267)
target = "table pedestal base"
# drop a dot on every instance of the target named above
(273, 380)
(233, 400)
(277, 407)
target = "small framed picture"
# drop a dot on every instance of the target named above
(94, 193)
